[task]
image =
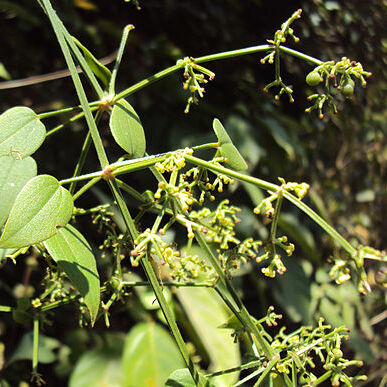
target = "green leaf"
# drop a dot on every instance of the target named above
(73, 254)
(24, 350)
(14, 174)
(234, 159)
(102, 72)
(127, 129)
(98, 368)
(227, 148)
(220, 131)
(180, 378)
(40, 207)
(292, 291)
(21, 132)
(244, 138)
(206, 313)
(150, 355)
(148, 299)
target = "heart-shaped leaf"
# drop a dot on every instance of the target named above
(127, 129)
(14, 173)
(41, 206)
(21, 132)
(73, 254)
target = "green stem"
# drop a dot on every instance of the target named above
(120, 168)
(130, 190)
(54, 113)
(208, 58)
(58, 303)
(60, 28)
(169, 284)
(267, 370)
(81, 161)
(77, 83)
(274, 223)
(4, 308)
(245, 366)
(121, 49)
(300, 55)
(145, 82)
(322, 378)
(210, 145)
(86, 187)
(35, 345)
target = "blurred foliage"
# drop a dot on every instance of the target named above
(342, 157)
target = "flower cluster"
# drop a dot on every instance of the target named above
(273, 56)
(339, 75)
(266, 208)
(182, 268)
(199, 178)
(174, 161)
(301, 348)
(276, 265)
(300, 189)
(195, 77)
(341, 270)
(281, 35)
(182, 193)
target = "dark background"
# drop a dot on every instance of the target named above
(342, 157)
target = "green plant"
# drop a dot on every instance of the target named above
(209, 255)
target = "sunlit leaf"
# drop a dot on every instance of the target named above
(227, 148)
(234, 159)
(102, 72)
(150, 356)
(206, 313)
(127, 129)
(244, 138)
(14, 174)
(40, 207)
(220, 131)
(21, 132)
(73, 254)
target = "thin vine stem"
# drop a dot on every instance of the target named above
(77, 83)
(209, 58)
